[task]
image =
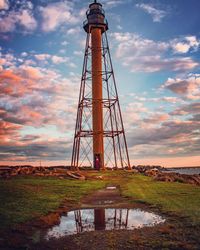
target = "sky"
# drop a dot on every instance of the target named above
(155, 48)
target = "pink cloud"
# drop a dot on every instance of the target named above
(53, 58)
(11, 83)
(192, 108)
(185, 44)
(145, 55)
(4, 4)
(188, 86)
(19, 81)
(26, 19)
(23, 18)
(8, 131)
(45, 96)
(56, 14)
(30, 73)
(42, 57)
(156, 118)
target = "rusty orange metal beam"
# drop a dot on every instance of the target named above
(97, 95)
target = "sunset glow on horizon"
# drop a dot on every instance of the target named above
(155, 52)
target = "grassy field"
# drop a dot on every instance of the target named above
(25, 198)
(181, 199)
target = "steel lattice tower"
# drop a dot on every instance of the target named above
(99, 139)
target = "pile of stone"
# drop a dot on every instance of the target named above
(5, 172)
(173, 177)
(60, 172)
(144, 168)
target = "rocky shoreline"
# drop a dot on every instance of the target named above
(158, 173)
(161, 174)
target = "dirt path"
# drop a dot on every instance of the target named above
(110, 196)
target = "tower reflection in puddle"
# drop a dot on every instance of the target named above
(99, 219)
(87, 220)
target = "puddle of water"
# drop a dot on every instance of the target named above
(86, 220)
(111, 188)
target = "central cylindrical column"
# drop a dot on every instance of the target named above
(97, 94)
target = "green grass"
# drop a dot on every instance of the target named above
(25, 198)
(181, 199)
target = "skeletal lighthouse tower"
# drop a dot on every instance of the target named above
(99, 139)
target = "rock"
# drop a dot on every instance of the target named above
(196, 178)
(76, 175)
(99, 177)
(165, 178)
(152, 172)
(144, 168)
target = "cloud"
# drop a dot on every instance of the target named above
(9, 79)
(4, 5)
(78, 53)
(42, 57)
(58, 59)
(171, 138)
(25, 116)
(26, 19)
(156, 14)
(181, 46)
(54, 58)
(8, 128)
(39, 90)
(132, 114)
(152, 132)
(8, 23)
(188, 87)
(30, 73)
(137, 45)
(24, 54)
(74, 31)
(113, 3)
(37, 109)
(34, 148)
(168, 99)
(23, 18)
(195, 117)
(64, 43)
(189, 109)
(146, 55)
(156, 118)
(157, 63)
(55, 15)
(109, 4)
(7, 60)
(22, 80)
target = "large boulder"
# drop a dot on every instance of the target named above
(164, 177)
(152, 172)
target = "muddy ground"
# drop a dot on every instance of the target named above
(175, 233)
